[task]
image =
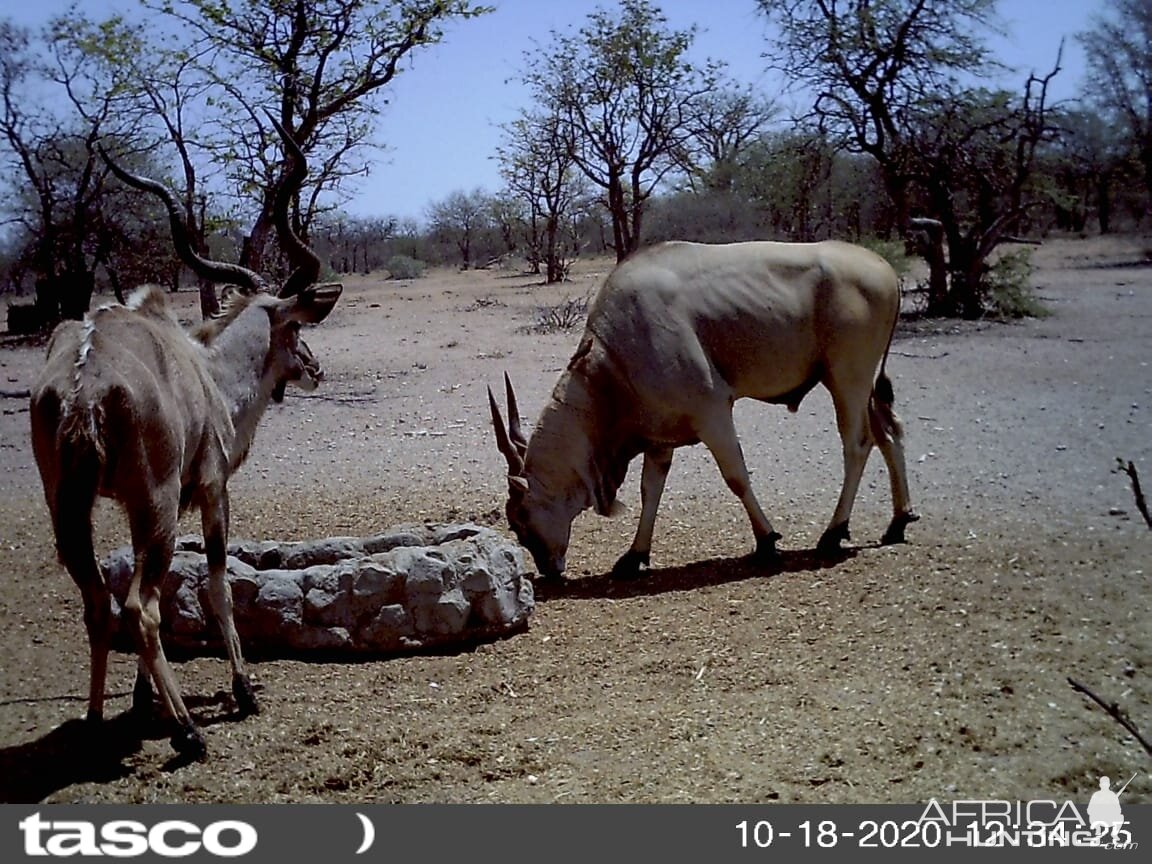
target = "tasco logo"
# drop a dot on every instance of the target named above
(125, 838)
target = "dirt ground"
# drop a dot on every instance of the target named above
(935, 669)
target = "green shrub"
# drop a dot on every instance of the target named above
(891, 251)
(404, 267)
(1008, 287)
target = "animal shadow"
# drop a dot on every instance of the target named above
(77, 751)
(688, 577)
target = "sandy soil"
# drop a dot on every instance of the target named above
(933, 669)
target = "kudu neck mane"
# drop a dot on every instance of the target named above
(237, 347)
(208, 330)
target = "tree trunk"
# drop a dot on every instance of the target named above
(209, 300)
(552, 253)
(926, 238)
(1104, 201)
(619, 213)
(967, 271)
(77, 296)
(47, 301)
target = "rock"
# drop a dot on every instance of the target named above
(413, 587)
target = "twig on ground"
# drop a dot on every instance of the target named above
(1114, 711)
(343, 398)
(939, 356)
(1141, 503)
(15, 394)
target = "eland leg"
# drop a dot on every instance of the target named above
(722, 441)
(851, 404)
(656, 466)
(214, 518)
(889, 436)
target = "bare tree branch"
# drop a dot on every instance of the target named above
(1141, 503)
(1114, 711)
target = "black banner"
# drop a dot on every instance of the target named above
(331, 834)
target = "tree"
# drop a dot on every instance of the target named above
(889, 78)
(1087, 167)
(1118, 49)
(974, 150)
(52, 164)
(460, 219)
(623, 91)
(540, 171)
(722, 126)
(319, 64)
(869, 64)
(353, 244)
(158, 89)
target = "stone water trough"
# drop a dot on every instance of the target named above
(416, 587)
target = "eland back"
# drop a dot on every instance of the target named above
(679, 332)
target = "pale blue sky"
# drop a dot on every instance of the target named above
(441, 126)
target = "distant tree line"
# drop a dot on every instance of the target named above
(626, 140)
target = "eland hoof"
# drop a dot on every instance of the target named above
(895, 532)
(628, 567)
(766, 551)
(830, 540)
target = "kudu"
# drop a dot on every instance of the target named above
(131, 406)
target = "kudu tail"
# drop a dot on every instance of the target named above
(71, 456)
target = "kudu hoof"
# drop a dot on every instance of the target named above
(766, 551)
(190, 744)
(895, 532)
(143, 707)
(628, 567)
(830, 540)
(245, 695)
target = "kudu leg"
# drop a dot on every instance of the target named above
(656, 466)
(142, 694)
(70, 493)
(722, 441)
(79, 558)
(215, 522)
(153, 554)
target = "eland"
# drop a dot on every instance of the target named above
(679, 332)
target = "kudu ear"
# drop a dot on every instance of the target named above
(312, 305)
